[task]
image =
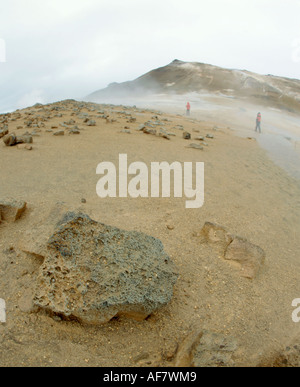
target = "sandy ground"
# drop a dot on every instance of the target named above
(244, 191)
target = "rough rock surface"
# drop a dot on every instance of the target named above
(239, 251)
(206, 349)
(213, 233)
(195, 146)
(186, 135)
(12, 139)
(3, 132)
(93, 272)
(249, 256)
(34, 240)
(214, 350)
(11, 210)
(289, 357)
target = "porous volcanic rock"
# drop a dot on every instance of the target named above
(93, 272)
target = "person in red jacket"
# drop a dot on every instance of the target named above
(258, 121)
(188, 109)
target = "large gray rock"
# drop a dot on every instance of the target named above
(93, 272)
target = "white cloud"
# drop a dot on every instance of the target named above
(31, 98)
(69, 48)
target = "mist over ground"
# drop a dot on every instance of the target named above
(67, 49)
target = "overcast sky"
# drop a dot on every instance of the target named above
(57, 49)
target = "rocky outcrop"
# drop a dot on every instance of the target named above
(93, 272)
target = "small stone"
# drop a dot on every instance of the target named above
(25, 139)
(24, 146)
(11, 210)
(74, 131)
(91, 123)
(132, 119)
(164, 134)
(249, 256)
(149, 131)
(10, 139)
(206, 349)
(186, 135)
(141, 127)
(71, 122)
(3, 132)
(216, 234)
(195, 146)
(140, 357)
(59, 133)
(57, 318)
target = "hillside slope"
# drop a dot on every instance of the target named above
(178, 78)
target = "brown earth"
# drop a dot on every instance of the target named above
(244, 192)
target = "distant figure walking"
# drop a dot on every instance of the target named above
(258, 122)
(188, 109)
